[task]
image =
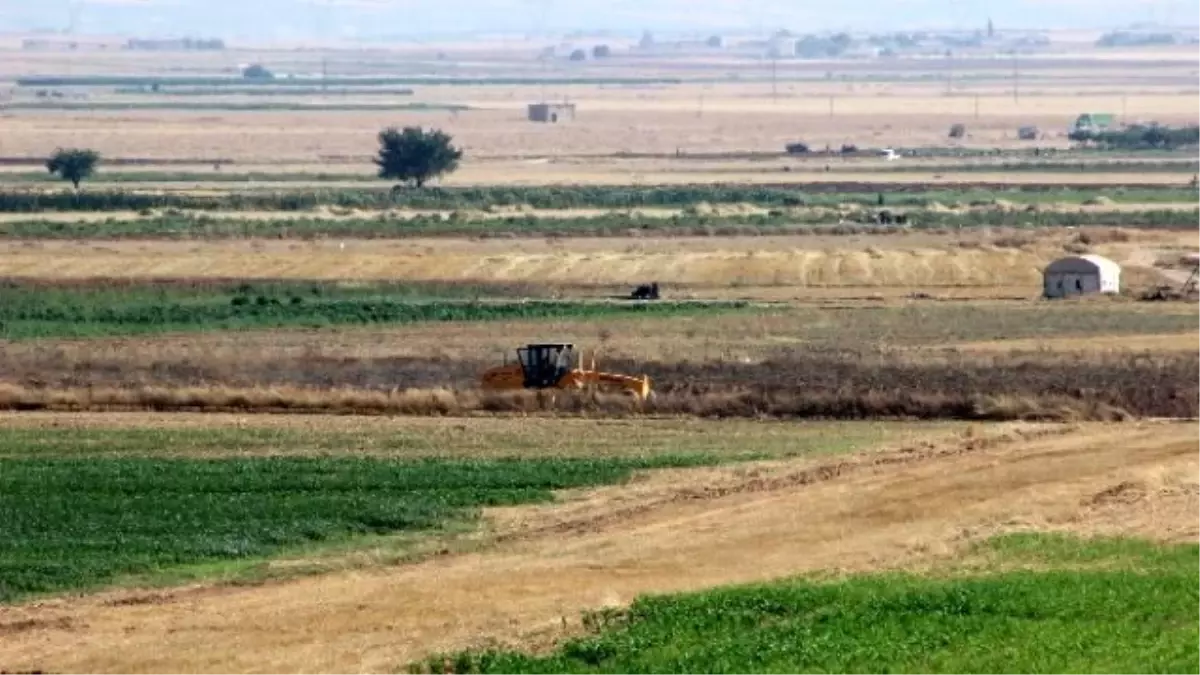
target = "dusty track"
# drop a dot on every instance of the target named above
(669, 531)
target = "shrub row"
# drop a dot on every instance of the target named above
(790, 221)
(577, 196)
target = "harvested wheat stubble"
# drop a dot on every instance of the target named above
(797, 266)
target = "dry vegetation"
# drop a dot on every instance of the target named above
(873, 323)
(851, 361)
(1005, 259)
(878, 104)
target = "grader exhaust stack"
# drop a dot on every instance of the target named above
(558, 365)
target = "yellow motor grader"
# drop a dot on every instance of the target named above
(556, 365)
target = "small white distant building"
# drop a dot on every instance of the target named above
(781, 46)
(1080, 275)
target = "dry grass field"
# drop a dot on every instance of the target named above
(335, 139)
(1007, 261)
(869, 105)
(886, 399)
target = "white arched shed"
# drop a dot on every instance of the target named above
(1079, 275)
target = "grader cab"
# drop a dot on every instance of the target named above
(544, 365)
(557, 365)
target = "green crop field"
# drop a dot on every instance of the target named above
(80, 522)
(86, 507)
(579, 196)
(1081, 606)
(29, 311)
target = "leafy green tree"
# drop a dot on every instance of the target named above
(414, 155)
(73, 164)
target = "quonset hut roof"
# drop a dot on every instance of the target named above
(1082, 264)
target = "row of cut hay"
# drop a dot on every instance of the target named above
(440, 401)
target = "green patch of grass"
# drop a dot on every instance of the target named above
(1060, 550)
(1090, 619)
(37, 311)
(80, 522)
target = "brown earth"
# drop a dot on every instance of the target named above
(669, 531)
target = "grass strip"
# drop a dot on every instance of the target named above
(180, 226)
(1087, 606)
(590, 196)
(30, 311)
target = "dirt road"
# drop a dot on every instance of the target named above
(670, 531)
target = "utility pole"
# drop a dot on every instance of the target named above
(949, 73)
(774, 90)
(1016, 79)
(545, 62)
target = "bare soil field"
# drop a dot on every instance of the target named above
(332, 136)
(902, 104)
(671, 531)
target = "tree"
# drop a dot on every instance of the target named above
(72, 164)
(601, 52)
(257, 71)
(414, 155)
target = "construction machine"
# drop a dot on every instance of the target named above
(557, 365)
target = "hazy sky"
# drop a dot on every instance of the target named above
(286, 19)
